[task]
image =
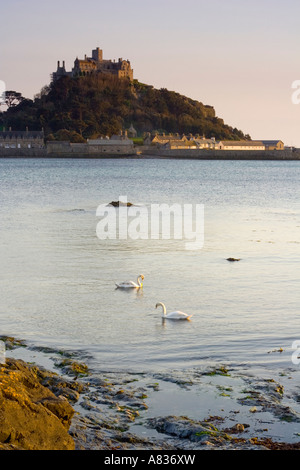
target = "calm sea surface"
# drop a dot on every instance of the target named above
(58, 278)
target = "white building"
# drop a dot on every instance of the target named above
(21, 139)
(242, 145)
(203, 143)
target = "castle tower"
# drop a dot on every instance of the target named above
(97, 55)
(60, 72)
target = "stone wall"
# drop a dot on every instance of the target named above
(203, 154)
(23, 153)
(110, 148)
(68, 150)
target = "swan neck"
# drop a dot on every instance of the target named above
(163, 306)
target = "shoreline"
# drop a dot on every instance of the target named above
(148, 153)
(119, 411)
(150, 157)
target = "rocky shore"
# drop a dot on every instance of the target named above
(32, 417)
(70, 408)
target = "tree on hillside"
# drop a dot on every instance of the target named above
(100, 105)
(13, 98)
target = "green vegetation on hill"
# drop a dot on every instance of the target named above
(100, 105)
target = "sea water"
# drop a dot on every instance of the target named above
(58, 278)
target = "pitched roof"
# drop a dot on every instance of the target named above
(166, 138)
(242, 143)
(21, 135)
(271, 142)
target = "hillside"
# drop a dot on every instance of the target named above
(91, 106)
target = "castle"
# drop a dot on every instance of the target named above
(95, 64)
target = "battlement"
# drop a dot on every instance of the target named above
(95, 64)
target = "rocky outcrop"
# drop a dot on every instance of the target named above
(120, 204)
(111, 408)
(32, 417)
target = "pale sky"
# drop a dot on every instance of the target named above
(239, 56)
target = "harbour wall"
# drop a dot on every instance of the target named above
(23, 153)
(83, 151)
(202, 154)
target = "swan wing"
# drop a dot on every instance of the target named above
(126, 284)
(177, 315)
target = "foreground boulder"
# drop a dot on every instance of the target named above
(31, 416)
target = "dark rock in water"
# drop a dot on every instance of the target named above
(185, 428)
(120, 203)
(233, 259)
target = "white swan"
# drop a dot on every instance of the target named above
(177, 315)
(131, 284)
